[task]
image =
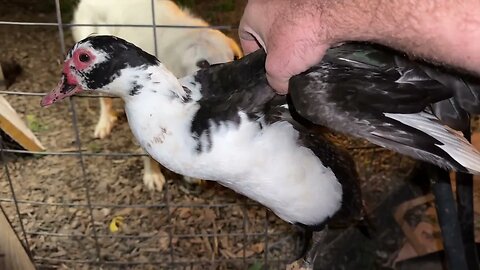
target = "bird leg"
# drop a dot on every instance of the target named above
(305, 236)
(317, 240)
(311, 249)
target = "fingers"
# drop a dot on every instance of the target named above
(291, 56)
(292, 42)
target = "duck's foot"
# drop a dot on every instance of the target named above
(194, 181)
(193, 186)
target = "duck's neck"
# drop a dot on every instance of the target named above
(154, 81)
(161, 105)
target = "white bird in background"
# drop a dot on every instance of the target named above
(225, 123)
(182, 50)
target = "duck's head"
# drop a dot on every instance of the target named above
(105, 64)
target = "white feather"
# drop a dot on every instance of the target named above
(267, 165)
(453, 142)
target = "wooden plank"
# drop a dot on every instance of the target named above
(12, 124)
(14, 255)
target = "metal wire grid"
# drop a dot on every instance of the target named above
(98, 261)
(166, 204)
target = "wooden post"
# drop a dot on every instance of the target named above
(12, 254)
(13, 125)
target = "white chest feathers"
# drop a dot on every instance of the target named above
(265, 164)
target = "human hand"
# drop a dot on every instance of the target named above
(296, 34)
(293, 33)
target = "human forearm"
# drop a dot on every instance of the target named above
(441, 31)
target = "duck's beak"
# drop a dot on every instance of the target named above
(61, 91)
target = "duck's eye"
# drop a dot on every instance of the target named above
(203, 64)
(84, 58)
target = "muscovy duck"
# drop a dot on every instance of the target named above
(224, 123)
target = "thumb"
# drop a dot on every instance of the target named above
(248, 42)
(252, 27)
(287, 59)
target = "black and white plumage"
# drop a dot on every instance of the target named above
(225, 123)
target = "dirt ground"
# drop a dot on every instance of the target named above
(210, 225)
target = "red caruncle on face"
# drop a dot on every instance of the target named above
(82, 59)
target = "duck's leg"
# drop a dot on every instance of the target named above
(466, 214)
(306, 262)
(448, 219)
(317, 240)
(305, 236)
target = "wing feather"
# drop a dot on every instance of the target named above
(355, 87)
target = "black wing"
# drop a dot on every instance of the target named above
(242, 85)
(463, 88)
(355, 85)
(232, 87)
(247, 73)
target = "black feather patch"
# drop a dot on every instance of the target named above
(135, 90)
(188, 95)
(241, 85)
(228, 89)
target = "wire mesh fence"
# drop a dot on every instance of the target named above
(80, 234)
(82, 205)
